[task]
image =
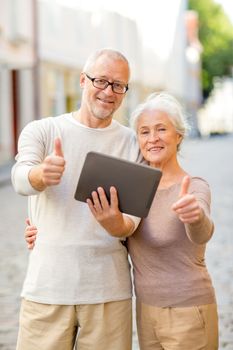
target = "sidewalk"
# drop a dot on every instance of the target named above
(5, 173)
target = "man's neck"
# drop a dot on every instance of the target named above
(91, 121)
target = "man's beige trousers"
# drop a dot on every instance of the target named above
(105, 326)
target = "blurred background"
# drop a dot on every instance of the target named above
(184, 47)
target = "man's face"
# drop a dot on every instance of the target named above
(101, 104)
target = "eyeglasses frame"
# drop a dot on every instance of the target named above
(108, 83)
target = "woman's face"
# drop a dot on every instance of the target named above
(158, 138)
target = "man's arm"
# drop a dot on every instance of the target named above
(33, 171)
(109, 216)
(50, 171)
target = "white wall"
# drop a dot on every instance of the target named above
(68, 36)
(6, 121)
(16, 36)
(26, 97)
(217, 114)
(175, 66)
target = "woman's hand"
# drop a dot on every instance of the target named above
(30, 234)
(108, 214)
(187, 207)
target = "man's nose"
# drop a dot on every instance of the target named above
(108, 90)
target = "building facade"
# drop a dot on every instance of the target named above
(17, 59)
(44, 45)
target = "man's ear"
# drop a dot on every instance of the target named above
(82, 80)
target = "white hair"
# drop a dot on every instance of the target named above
(166, 103)
(114, 54)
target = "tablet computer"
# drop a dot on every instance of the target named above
(136, 184)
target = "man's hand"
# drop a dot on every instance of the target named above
(187, 207)
(108, 214)
(50, 171)
(30, 234)
(53, 165)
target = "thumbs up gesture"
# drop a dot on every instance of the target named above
(187, 207)
(53, 165)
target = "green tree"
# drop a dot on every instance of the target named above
(216, 36)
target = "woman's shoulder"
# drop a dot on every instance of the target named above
(199, 185)
(198, 181)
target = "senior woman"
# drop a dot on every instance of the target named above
(176, 305)
(175, 300)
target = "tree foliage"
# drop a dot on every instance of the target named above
(216, 36)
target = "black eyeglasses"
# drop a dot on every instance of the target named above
(102, 84)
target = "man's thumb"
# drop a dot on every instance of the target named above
(184, 186)
(58, 147)
(28, 221)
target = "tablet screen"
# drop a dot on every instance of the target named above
(136, 184)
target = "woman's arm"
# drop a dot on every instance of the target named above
(30, 234)
(194, 213)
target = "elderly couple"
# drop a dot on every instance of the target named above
(77, 290)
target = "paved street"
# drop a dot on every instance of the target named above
(211, 159)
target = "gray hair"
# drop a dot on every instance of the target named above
(166, 103)
(114, 54)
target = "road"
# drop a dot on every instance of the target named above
(208, 158)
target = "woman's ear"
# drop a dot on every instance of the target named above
(179, 140)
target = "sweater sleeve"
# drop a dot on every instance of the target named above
(202, 231)
(136, 220)
(31, 152)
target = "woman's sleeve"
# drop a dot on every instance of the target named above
(202, 231)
